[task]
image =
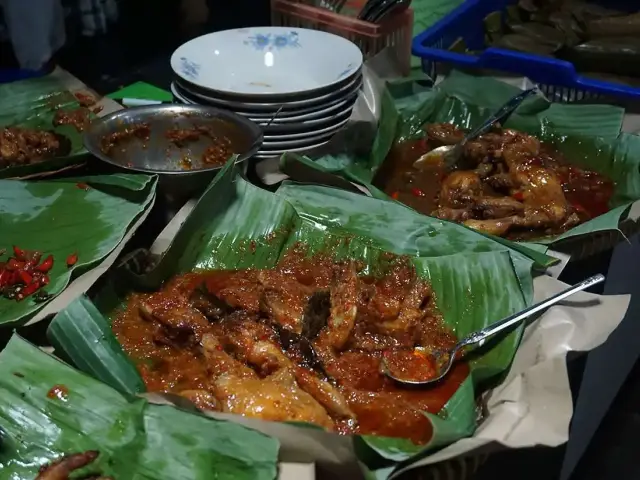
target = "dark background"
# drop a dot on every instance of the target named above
(138, 48)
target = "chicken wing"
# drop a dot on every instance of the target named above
(275, 398)
(344, 307)
(180, 324)
(460, 189)
(411, 311)
(284, 299)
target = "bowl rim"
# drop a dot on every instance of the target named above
(294, 102)
(266, 96)
(91, 144)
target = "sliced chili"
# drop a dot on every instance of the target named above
(46, 265)
(518, 196)
(14, 264)
(22, 275)
(26, 277)
(395, 195)
(19, 253)
(28, 290)
(416, 192)
(72, 259)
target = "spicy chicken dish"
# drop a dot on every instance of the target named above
(301, 342)
(23, 146)
(512, 185)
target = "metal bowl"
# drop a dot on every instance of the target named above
(159, 155)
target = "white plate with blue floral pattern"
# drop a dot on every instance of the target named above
(264, 61)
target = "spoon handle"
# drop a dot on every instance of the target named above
(527, 312)
(501, 115)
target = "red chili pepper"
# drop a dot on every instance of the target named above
(416, 192)
(518, 196)
(19, 253)
(72, 259)
(26, 277)
(14, 264)
(28, 290)
(395, 195)
(46, 265)
(33, 261)
(82, 186)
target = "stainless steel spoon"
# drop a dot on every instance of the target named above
(451, 154)
(444, 359)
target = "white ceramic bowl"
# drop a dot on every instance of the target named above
(308, 126)
(275, 153)
(334, 107)
(265, 61)
(292, 103)
(283, 137)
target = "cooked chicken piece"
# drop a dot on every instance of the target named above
(209, 304)
(276, 398)
(498, 207)
(526, 144)
(411, 311)
(64, 466)
(202, 399)
(484, 169)
(238, 289)
(220, 362)
(452, 214)
(500, 181)
(571, 221)
(179, 323)
(324, 392)
(496, 227)
(543, 197)
(344, 307)
(284, 299)
(444, 133)
(268, 358)
(477, 150)
(460, 189)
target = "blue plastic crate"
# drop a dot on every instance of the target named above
(8, 75)
(558, 79)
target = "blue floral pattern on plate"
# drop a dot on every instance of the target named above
(268, 41)
(189, 68)
(346, 71)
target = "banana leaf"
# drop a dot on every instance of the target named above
(237, 225)
(135, 439)
(588, 135)
(32, 104)
(88, 216)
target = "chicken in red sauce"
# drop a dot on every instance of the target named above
(519, 187)
(219, 338)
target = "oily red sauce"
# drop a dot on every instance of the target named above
(141, 131)
(77, 118)
(381, 406)
(58, 392)
(411, 365)
(588, 193)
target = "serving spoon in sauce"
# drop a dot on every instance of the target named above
(437, 364)
(451, 155)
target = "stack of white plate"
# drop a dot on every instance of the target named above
(300, 85)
